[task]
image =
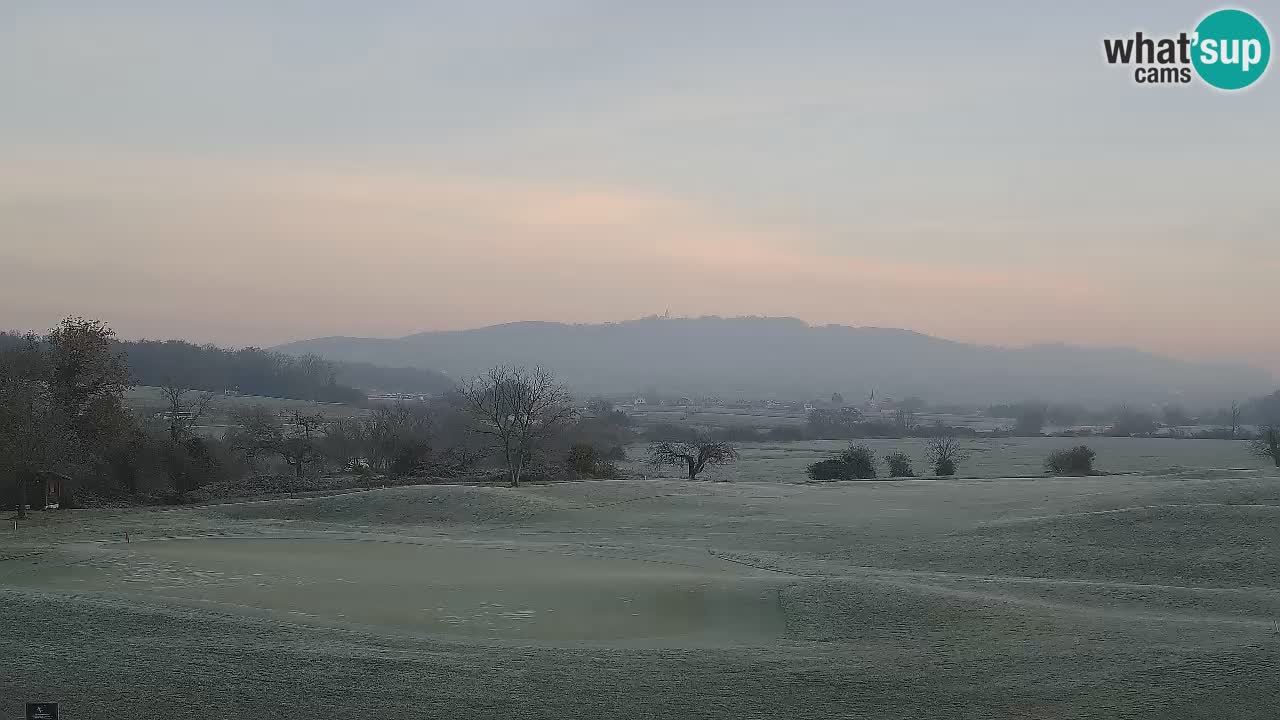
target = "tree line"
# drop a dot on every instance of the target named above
(1033, 416)
(255, 371)
(66, 432)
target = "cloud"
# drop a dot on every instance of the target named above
(255, 252)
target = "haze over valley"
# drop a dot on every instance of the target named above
(787, 358)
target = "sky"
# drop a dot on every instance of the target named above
(251, 173)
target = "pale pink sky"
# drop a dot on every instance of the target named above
(231, 176)
(239, 253)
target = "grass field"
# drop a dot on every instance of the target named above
(764, 418)
(988, 458)
(1120, 596)
(147, 398)
(219, 417)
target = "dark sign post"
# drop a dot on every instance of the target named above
(42, 711)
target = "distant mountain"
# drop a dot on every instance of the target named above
(785, 357)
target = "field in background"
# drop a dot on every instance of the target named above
(716, 417)
(767, 417)
(786, 461)
(989, 458)
(147, 401)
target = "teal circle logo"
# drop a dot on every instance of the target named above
(1231, 49)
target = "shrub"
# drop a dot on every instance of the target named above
(586, 461)
(899, 465)
(1267, 443)
(857, 462)
(944, 453)
(582, 459)
(861, 460)
(1076, 461)
(830, 469)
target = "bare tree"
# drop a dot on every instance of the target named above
(945, 452)
(296, 441)
(399, 437)
(460, 446)
(346, 443)
(183, 413)
(181, 447)
(599, 407)
(256, 431)
(518, 410)
(1267, 444)
(1235, 420)
(695, 456)
(318, 372)
(300, 441)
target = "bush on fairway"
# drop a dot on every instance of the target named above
(857, 462)
(899, 465)
(1076, 461)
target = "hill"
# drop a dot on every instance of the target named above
(786, 357)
